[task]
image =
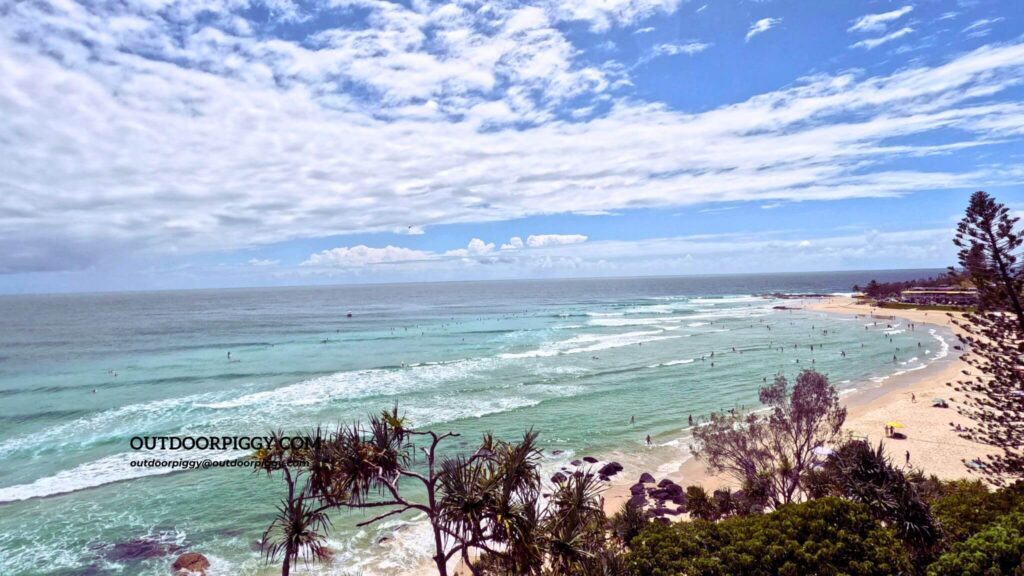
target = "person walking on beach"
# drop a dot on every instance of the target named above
(913, 398)
(649, 442)
(690, 418)
(908, 457)
(632, 420)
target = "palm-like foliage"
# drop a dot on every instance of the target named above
(484, 507)
(866, 475)
(575, 524)
(298, 531)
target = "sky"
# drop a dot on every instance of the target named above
(162, 144)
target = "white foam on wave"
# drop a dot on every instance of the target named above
(672, 363)
(697, 324)
(943, 345)
(591, 343)
(118, 468)
(357, 384)
(726, 300)
(910, 369)
(106, 470)
(698, 314)
(620, 322)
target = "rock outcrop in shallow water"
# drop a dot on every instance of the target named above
(190, 563)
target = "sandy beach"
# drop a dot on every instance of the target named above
(933, 445)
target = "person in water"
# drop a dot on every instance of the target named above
(649, 440)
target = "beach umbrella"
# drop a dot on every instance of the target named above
(823, 451)
(938, 401)
(894, 425)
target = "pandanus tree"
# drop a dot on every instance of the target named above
(484, 507)
(299, 528)
(860, 473)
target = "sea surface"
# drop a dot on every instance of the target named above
(80, 375)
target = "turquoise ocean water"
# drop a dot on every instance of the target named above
(572, 358)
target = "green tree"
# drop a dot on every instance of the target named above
(826, 536)
(773, 452)
(998, 550)
(857, 472)
(988, 242)
(964, 507)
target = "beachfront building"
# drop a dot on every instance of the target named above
(940, 295)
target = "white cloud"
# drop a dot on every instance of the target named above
(875, 23)
(981, 28)
(726, 253)
(602, 14)
(475, 249)
(983, 22)
(259, 262)
(514, 243)
(644, 30)
(872, 43)
(453, 116)
(362, 255)
(541, 240)
(762, 25)
(688, 48)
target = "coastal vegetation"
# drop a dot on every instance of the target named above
(811, 499)
(771, 454)
(989, 240)
(881, 291)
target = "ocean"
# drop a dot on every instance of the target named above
(81, 374)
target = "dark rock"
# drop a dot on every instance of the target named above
(637, 489)
(638, 501)
(191, 563)
(681, 510)
(680, 500)
(140, 549)
(610, 469)
(556, 452)
(646, 478)
(590, 459)
(663, 520)
(558, 478)
(576, 462)
(603, 478)
(384, 540)
(665, 482)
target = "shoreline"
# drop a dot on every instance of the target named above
(934, 446)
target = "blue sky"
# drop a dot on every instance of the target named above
(152, 144)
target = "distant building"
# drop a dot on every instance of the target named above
(940, 295)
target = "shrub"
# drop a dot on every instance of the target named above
(826, 536)
(995, 551)
(966, 507)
